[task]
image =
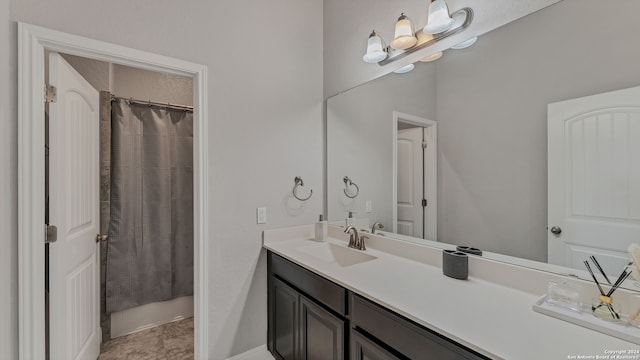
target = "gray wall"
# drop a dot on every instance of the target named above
(359, 125)
(492, 116)
(265, 127)
(149, 85)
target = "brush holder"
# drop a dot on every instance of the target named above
(469, 250)
(604, 308)
(455, 264)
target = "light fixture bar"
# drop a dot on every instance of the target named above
(399, 54)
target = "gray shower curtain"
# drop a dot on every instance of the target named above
(150, 246)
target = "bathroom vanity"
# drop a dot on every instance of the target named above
(391, 301)
(309, 314)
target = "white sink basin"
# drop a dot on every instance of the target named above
(334, 253)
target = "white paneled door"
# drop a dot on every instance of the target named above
(594, 179)
(411, 182)
(74, 209)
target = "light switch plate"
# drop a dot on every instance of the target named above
(368, 207)
(262, 215)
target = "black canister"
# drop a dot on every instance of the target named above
(469, 250)
(455, 264)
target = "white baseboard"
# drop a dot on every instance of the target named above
(258, 353)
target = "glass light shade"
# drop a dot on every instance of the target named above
(439, 19)
(465, 44)
(458, 19)
(423, 37)
(432, 57)
(404, 69)
(375, 49)
(404, 37)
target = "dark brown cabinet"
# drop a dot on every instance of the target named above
(321, 333)
(364, 349)
(312, 318)
(301, 328)
(405, 337)
(284, 320)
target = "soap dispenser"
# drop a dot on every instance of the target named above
(350, 221)
(321, 229)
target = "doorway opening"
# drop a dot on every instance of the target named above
(415, 176)
(32, 44)
(145, 182)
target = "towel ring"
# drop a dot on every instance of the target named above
(348, 182)
(299, 182)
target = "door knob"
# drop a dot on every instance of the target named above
(556, 230)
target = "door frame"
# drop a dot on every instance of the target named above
(32, 42)
(430, 165)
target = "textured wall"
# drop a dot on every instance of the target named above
(149, 85)
(360, 144)
(265, 127)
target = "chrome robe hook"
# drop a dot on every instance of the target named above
(298, 182)
(348, 182)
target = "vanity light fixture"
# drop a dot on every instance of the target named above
(404, 69)
(458, 20)
(404, 36)
(439, 19)
(406, 41)
(375, 49)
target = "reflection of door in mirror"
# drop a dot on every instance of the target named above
(415, 176)
(411, 178)
(594, 179)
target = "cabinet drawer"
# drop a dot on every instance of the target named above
(314, 286)
(363, 348)
(404, 336)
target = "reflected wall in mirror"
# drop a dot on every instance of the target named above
(490, 105)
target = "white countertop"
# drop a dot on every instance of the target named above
(493, 319)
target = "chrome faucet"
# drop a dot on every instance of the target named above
(376, 225)
(355, 241)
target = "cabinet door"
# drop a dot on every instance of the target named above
(365, 349)
(285, 320)
(321, 333)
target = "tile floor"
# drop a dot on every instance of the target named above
(173, 341)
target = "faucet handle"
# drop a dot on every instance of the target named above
(361, 245)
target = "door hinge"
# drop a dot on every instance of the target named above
(50, 234)
(424, 145)
(50, 94)
(424, 202)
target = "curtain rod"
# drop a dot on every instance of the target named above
(149, 102)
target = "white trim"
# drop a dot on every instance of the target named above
(32, 42)
(430, 163)
(258, 353)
